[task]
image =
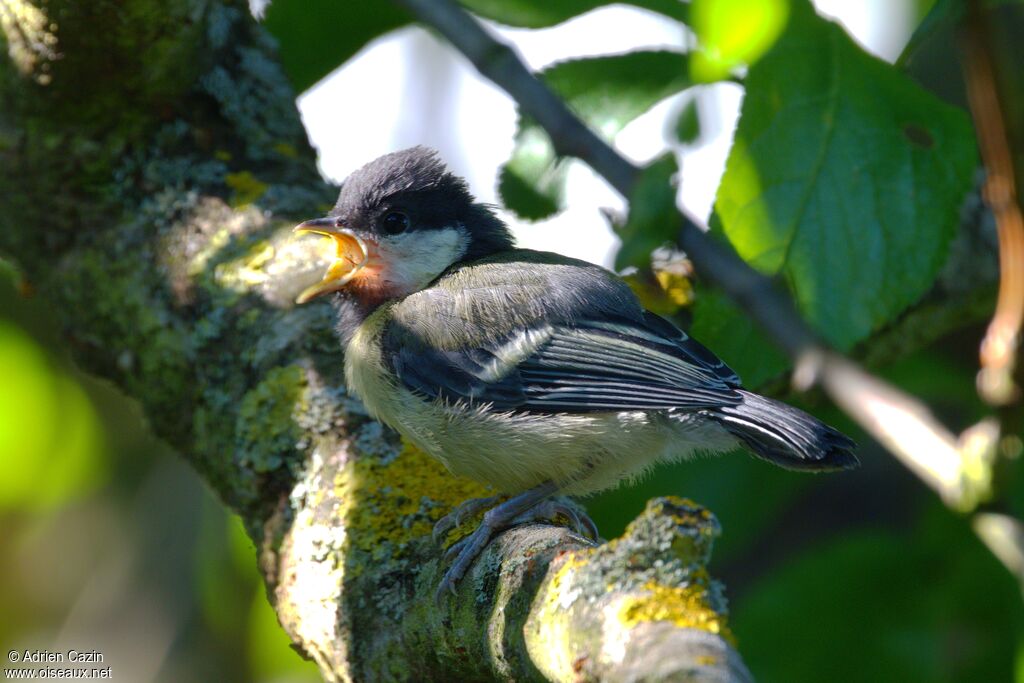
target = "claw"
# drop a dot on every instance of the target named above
(570, 514)
(444, 588)
(456, 517)
(592, 531)
(466, 550)
(442, 527)
(472, 507)
(455, 549)
(580, 521)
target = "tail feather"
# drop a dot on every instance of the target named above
(785, 435)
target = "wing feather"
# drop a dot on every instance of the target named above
(579, 368)
(535, 332)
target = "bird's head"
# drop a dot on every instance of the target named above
(400, 221)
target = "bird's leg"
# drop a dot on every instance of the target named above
(456, 517)
(499, 517)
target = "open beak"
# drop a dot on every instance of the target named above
(351, 256)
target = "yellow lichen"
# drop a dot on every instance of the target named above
(248, 188)
(683, 511)
(266, 428)
(214, 244)
(684, 606)
(558, 595)
(384, 499)
(286, 150)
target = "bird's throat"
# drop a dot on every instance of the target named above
(354, 305)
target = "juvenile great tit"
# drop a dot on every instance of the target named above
(530, 372)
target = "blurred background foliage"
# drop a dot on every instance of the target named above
(107, 536)
(858, 577)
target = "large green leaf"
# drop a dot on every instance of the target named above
(607, 93)
(845, 179)
(541, 13)
(318, 36)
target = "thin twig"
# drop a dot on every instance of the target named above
(1001, 345)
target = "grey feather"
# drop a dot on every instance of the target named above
(785, 435)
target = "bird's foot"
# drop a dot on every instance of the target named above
(465, 510)
(534, 505)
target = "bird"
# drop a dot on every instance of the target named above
(535, 374)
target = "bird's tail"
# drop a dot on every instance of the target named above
(786, 436)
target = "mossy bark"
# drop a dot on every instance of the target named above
(151, 164)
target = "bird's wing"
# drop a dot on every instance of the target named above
(577, 357)
(591, 366)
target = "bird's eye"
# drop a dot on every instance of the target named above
(395, 222)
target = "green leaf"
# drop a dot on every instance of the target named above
(653, 216)
(687, 125)
(845, 178)
(318, 36)
(607, 93)
(532, 182)
(734, 32)
(928, 59)
(541, 13)
(939, 23)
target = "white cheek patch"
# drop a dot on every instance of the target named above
(413, 259)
